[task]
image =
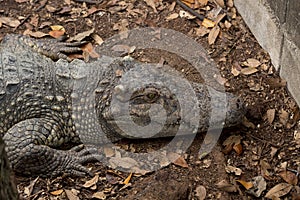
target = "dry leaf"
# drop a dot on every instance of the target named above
(200, 192)
(57, 192)
(247, 185)
(57, 28)
(97, 39)
(270, 115)
(227, 187)
(279, 190)
(238, 148)
(181, 162)
(21, 1)
(9, 21)
(50, 8)
(126, 181)
(232, 169)
(34, 20)
(259, 185)
(56, 33)
(208, 23)
(283, 117)
(88, 48)
(247, 123)
(28, 190)
(202, 31)
(99, 195)
(220, 3)
(265, 166)
(151, 4)
(172, 16)
(185, 14)
(213, 34)
(230, 142)
(72, 194)
(289, 177)
(81, 36)
(37, 34)
(202, 2)
(91, 182)
(251, 62)
(249, 70)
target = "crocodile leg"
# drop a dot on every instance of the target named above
(31, 149)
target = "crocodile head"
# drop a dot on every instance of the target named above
(154, 102)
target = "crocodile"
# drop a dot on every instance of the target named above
(49, 103)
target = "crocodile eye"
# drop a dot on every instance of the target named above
(152, 96)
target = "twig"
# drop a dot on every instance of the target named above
(190, 10)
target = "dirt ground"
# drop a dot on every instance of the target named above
(265, 147)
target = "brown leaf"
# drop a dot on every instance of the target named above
(126, 181)
(208, 23)
(181, 162)
(185, 14)
(252, 62)
(97, 39)
(151, 3)
(91, 182)
(56, 33)
(172, 16)
(21, 1)
(247, 123)
(238, 148)
(202, 31)
(200, 192)
(81, 36)
(57, 192)
(202, 2)
(99, 195)
(289, 177)
(50, 8)
(232, 169)
(9, 21)
(72, 194)
(230, 142)
(213, 34)
(264, 167)
(270, 115)
(247, 185)
(88, 48)
(37, 34)
(279, 190)
(249, 70)
(34, 20)
(225, 186)
(283, 117)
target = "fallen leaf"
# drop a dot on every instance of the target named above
(88, 48)
(51, 8)
(259, 185)
(232, 169)
(203, 2)
(185, 14)
(227, 187)
(264, 167)
(9, 21)
(57, 28)
(21, 1)
(283, 117)
(289, 177)
(200, 192)
(279, 190)
(181, 162)
(126, 181)
(99, 195)
(151, 4)
(91, 182)
(202, 31)
(247, 185)
(81, 36)
(172, 16)
(247, 123)
(28, 189)
(57, 192)
(252, 62)
(230, 142)
(56, 33)
(220, 3)
(249, 70)
(34, 20)
(72, 194)
(238, 148)
(208, 23)
(37, 34)
(213, 34)
(270, 115)
(97, 39)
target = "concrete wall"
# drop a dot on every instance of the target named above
(276, 26)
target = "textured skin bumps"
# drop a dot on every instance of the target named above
(47, 105)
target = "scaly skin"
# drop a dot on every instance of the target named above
(48, 104)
